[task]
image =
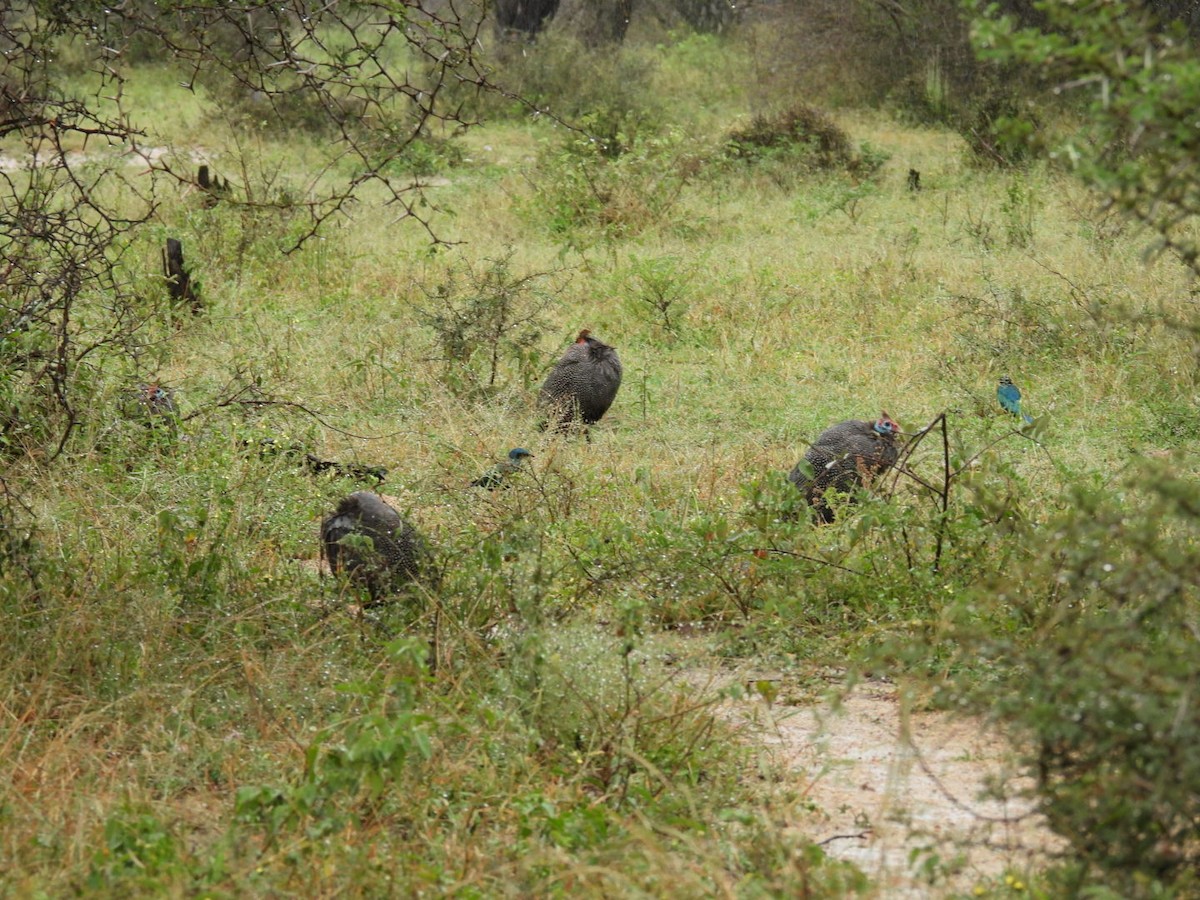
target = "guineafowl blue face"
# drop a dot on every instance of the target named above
(157, 399)
(154, 393)
(885, 425)
(518, 454)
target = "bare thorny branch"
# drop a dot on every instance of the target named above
(374, 76)
(377, 75)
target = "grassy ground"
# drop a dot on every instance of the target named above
(189, 709)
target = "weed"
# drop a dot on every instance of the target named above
(657, 292)
(137, 847)
(488, 326)
(1018, 211)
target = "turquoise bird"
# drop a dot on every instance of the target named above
(1009, 396)
(494, 477)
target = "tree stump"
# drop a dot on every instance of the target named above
(179, 281)
(214, 186)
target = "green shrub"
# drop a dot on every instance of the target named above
(582, 189)
(137, 848)
(1095, 673)
(428, 155)
(999, 128)
(804, 127)
(657, 289)
(807, 136)
(487, 323)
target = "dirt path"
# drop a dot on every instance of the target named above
(906, 812)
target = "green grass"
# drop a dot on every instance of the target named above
(189, 709)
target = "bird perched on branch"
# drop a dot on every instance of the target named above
(843, 458)
(369, 541)
(583, 384)
(496, 476)
(1009, 396)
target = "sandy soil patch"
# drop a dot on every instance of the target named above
(902, 795)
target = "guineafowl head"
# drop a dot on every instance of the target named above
(518, 455)
(596, 347)
(155, 392)
(155, 400)
(886, 425)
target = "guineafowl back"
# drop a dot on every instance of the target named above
(841, 456)
(397, 548)
(584, 383)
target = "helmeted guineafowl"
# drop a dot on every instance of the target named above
(372, 544)
(153, 405)
(582, 385)
(843, 457)
(496, 476)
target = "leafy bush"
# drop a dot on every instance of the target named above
(998, 127)
(487, 324)
(807, 135)
(1129, 145)
(806, 127)
(657, 289)
(429, 155)
(581, 188)
(1095, 675)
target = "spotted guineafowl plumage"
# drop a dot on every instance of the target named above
(843, 457)
(158, 399)
(397, 551)
(583, 384)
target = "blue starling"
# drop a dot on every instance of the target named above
(496, 475)
(1009, 396)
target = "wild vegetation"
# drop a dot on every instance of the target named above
(191, 708)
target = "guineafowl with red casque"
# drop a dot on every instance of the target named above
(843, 457)
(153, 405)
(583, 384)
